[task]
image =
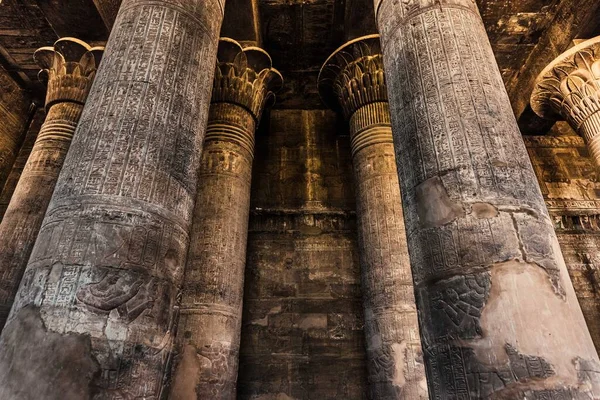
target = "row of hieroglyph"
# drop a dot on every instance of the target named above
(123, 250)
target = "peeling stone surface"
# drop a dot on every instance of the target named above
(481, 283)
(569, 181)
(434, 206)
(39, 364)
(110, 254)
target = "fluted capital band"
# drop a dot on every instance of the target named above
(70, 68)
(245, 76)
(352, 76)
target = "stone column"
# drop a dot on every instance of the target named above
(569, 89)
(101, 285)
(498, 313)
(24, 152)
(16, 110)
(208, 335)
(352, 82)
(70, 67)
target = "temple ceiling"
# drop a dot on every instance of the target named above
(301, 34)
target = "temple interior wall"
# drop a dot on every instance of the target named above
(302, 309)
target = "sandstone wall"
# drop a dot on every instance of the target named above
(302, 330)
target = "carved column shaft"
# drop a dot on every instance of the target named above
(103, 278)
(569, 88)
(498, 313)
(211, 309)
(208, 338)
(19, 164)
(71, 67)
(353, 78)
(15, 111)
(396, 367)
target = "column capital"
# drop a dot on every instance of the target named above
(352, 77)
(569, 87)
(245, 77)
(69, 67)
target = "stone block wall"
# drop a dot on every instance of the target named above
(302, 332)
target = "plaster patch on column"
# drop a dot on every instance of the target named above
(434, 206)
(187, 374)
(399, 356)
(28, 362)
(525, 288)
(484, 210)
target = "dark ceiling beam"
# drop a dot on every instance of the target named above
(360, 19)
(108, 10)
(242, 22)
(74, 18)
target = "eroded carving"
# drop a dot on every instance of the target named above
(454, 129)
(130, 294)
(124, 199)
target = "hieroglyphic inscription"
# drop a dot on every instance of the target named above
(70, 66)
(122, 208)
(395, 361)
(211, 308)
(470, 196)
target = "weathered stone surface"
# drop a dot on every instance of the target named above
(110, 255)
(352, 80)
(569, 88)
(568, 21)
(64, 357)
(569, 181)
(70, 67)
(208, 335)
(17, 169)
(302, 333)
(453, 123)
